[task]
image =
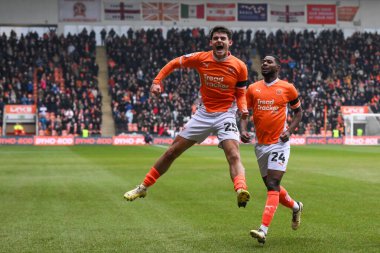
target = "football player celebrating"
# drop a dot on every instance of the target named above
(268, 100)
(223, 80)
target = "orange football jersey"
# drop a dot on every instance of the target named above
(268, 103)
(220, 79)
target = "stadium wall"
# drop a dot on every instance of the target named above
(46, 12)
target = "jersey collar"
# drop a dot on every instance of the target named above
(271, 83)
(223, 59)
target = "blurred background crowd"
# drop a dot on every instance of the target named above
(59, 75)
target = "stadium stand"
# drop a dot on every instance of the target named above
(59, 74)
(328, 70)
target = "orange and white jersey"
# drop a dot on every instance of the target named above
(222, 81)
(268, 102)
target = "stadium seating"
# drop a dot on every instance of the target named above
(328, 69)
(59, 74)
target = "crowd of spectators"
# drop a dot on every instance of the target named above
(62, 72)
(16, 71)
(59, 74)
(328, 69)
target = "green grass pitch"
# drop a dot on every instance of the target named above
(70, 199)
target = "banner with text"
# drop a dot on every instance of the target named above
(27, 140)
(347, 13)
(20, 113)
(79, 10)
(221, 12)
(128, 140)
(53, 140)
(364, 140)
(354, 109)
(131, 140)
(93, 141)
(252, 12)
(324, 14)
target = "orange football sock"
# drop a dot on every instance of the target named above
(285, 199)
(270, 207)
(239, 182)
(151, 177)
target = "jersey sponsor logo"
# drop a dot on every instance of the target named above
(215, 82)
(266, 105)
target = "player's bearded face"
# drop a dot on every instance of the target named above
(220, 44)
(269, 66)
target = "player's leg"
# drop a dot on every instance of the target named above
(296, 206)
(272, 183)
(272, 161)
(229, 137)
(178, 146)
(237, 171)
(196, 130)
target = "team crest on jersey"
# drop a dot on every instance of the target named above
(278, 91)
(231, 70)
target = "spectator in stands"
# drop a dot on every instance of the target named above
(103, 34)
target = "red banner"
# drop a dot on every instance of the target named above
(321, 14)
(16, 140)
(93, 141)
(297, 140)
(323, 140)
(131, 140)
(221, 12)
(128, 140)
(362, 140)
(20, 109)
(162, 141)
(53, 140)
(354, 109)
(347, 13)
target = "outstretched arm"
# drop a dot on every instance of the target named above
(157, 86)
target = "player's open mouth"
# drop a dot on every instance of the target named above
(219, 48)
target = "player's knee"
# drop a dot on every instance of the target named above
(233, 157)
(273, 185)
